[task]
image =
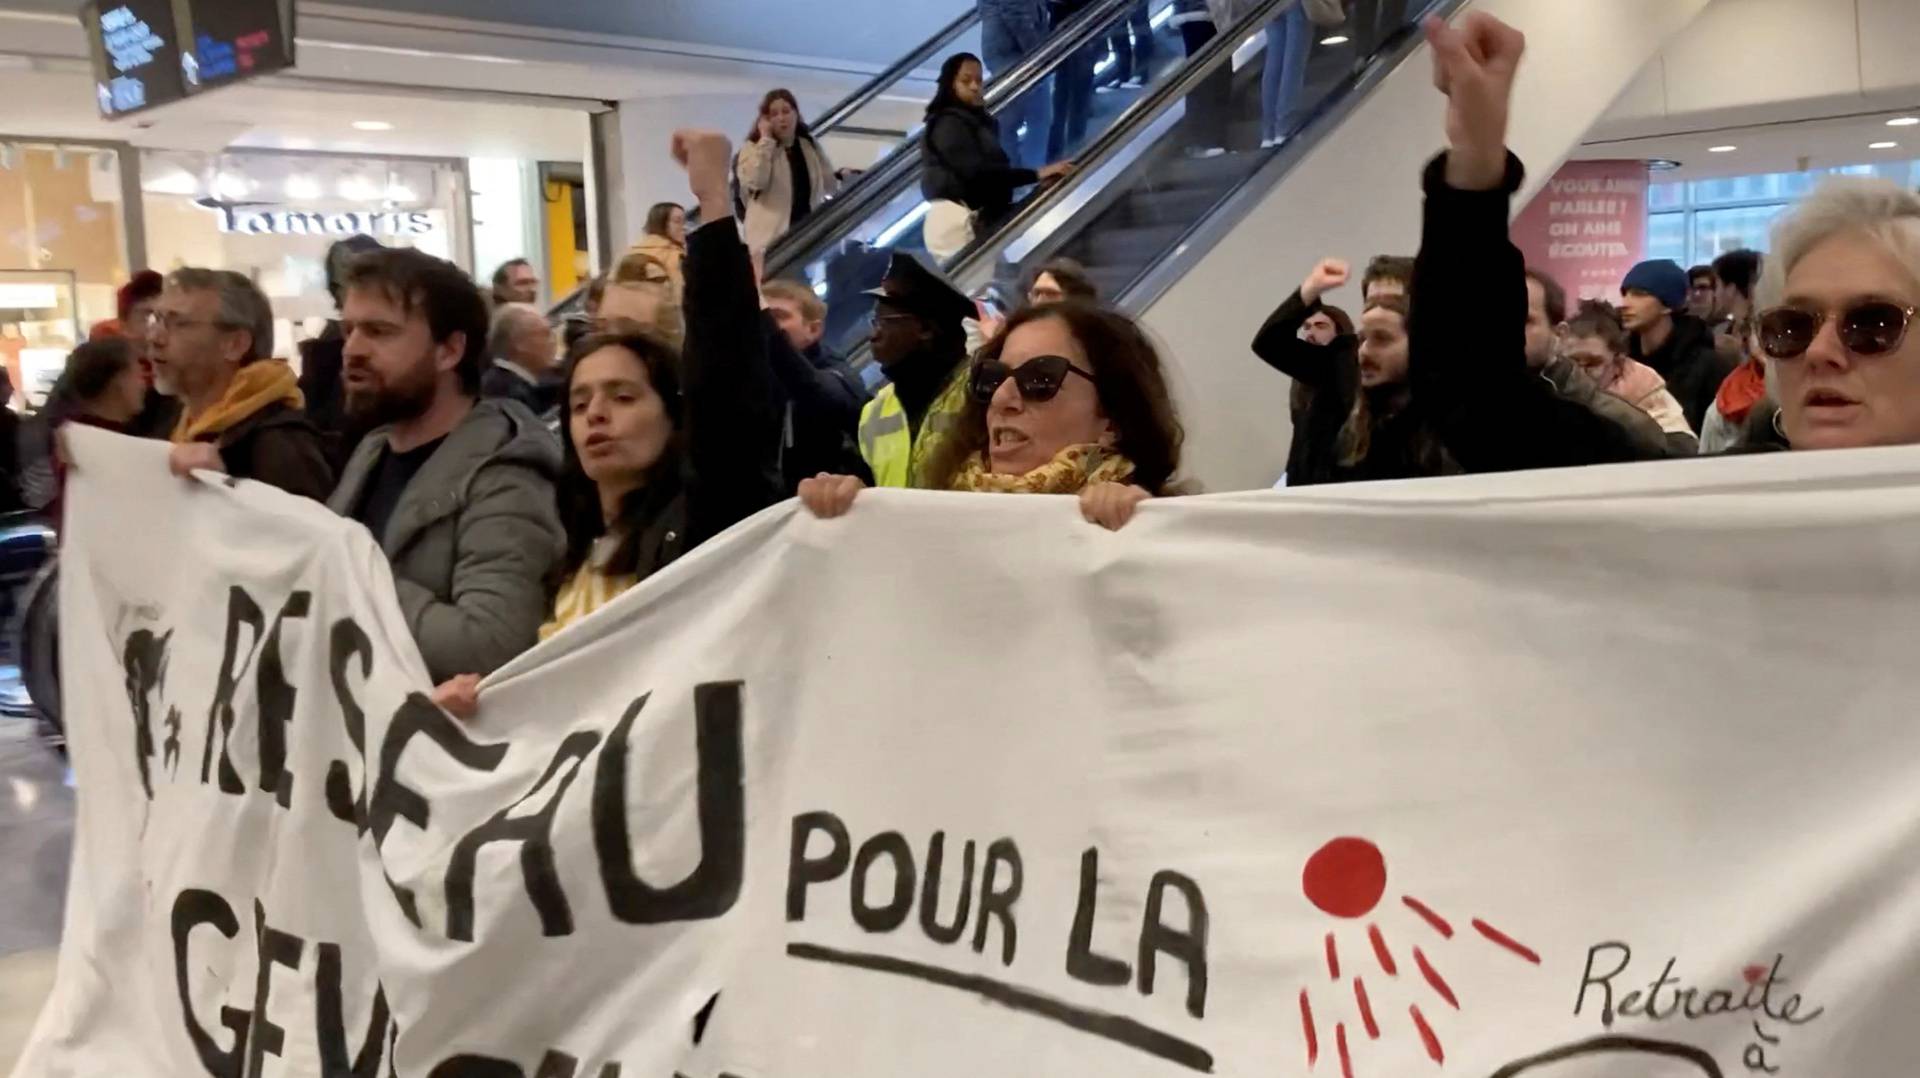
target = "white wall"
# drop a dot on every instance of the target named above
(1357, 194)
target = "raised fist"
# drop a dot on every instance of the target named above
(1327, 275)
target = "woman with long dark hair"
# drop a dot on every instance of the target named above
(1067, 398)
(784, 174)
(664, 447)
(966, 173)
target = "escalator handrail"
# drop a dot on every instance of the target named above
(1328, 114)
(1199, 66)
(899, 70)
(884, 180)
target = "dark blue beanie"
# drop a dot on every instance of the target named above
(1661, 278)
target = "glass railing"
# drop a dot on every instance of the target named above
(869, 123)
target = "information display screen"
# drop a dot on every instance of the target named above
(235, 39)
(152, 52)
(136, 54)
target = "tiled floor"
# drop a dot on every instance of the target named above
(36, 834)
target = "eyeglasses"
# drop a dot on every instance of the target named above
(173, 323)
(1871, 328)
(1038, 379)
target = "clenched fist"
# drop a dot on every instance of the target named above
(1327, 275)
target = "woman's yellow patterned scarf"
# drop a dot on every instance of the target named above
(1072, 470)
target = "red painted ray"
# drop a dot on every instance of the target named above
(1306, 1023)
(1506, 941)
(1346, 1061)
(1380, 951)
(1426, 913)
(1432, 1042)
(1366, 1009)
(1333, 958)
(1433, 977)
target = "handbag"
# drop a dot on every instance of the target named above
(1326, 13)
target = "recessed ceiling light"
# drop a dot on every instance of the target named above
(1721, 149)
(1904, 121)
(1881, 145)
(372, 125)
(1662, 164)
(1337, 39)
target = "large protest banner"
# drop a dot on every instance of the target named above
(1607, 773)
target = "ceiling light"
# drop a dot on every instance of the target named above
(372, 125)
(1721, 149)
(231, 185)
(1662, 164)
(302, 188)
(1904, 121)
(1337, 39)
(1881, 145)
(177, 182)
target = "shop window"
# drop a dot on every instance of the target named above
(62, 227)
(273, 216)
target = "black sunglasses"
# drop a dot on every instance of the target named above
(1871, 328)
(1038, 379)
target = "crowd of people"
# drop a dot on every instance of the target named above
(516, 492)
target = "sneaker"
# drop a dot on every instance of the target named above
(1134, 83)
(1107, 87)
(1202, 153)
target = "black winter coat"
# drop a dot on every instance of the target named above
(964, 162)
(1692, 363)
(1400, 446)
(279, 446)
(1468, 354)
(820, 399)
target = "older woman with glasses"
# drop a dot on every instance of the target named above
(1066, 399)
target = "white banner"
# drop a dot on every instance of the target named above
(1564, 775)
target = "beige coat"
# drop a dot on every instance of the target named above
(766, 186)
(667, 253)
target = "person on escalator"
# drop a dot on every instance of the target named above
(783, 172)
(1009, 30)
(1072, 85)
(967, 176)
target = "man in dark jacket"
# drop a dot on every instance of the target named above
(320, 361)
(821, 394)
(241, 412)
(1479, 358)
(458, 493)
(1674, 343)
(521, 347)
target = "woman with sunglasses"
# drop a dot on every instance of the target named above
(1066, 399)
(1837, 300)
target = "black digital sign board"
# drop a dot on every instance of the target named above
(235, 39)
(136, 54)
(152, 52)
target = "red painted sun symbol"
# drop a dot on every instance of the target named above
(1347, 878)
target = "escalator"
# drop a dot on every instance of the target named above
(1158, 167)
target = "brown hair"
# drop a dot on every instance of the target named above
(1356, 434)
(1598, 319)
(800, 129)
(659, 215)
(1070, 275)
(577, 496)
(1128, 376)
(811, 307)
(1388, 268)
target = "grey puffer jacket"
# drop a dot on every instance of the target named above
(473, 538)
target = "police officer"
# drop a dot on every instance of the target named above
(920, 342)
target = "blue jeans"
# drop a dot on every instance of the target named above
(1003, 43)
(1072, 101)
(1289, 40)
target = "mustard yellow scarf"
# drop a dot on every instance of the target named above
(254, 386)
(1072, 470)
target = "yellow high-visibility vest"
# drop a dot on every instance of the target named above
(899, 459)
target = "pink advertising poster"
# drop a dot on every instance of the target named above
(1587, 226)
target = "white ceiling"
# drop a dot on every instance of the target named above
(263, 114)
(1785, 81)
